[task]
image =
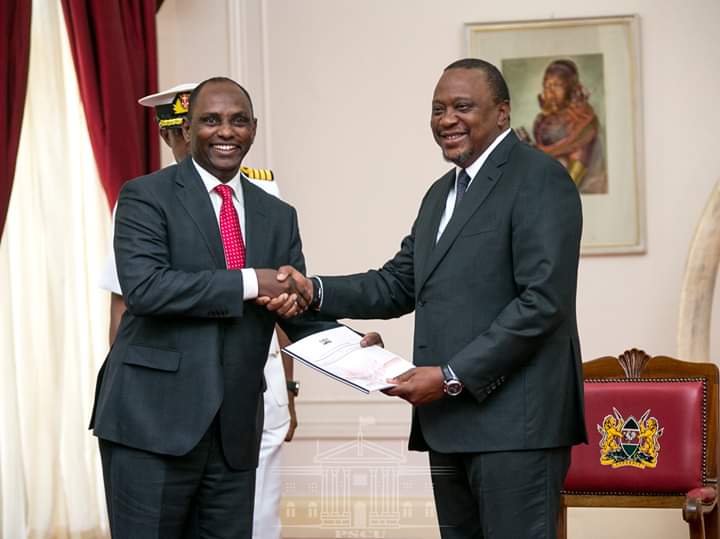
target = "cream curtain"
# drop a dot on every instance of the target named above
(53, 316)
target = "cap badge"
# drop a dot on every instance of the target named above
(181, 103)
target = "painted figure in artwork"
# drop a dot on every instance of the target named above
(568, 128)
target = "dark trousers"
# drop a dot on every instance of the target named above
(197, 495)
(501, 495)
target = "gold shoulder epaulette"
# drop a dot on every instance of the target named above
(258, 173)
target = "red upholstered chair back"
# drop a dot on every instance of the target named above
(646, 435)
(652, 426)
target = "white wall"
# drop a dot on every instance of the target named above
(344, 99)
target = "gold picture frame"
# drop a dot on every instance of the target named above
(575, 93)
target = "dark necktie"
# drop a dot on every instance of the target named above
(462, 184)
(230, 232)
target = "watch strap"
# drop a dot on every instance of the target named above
(293, 386)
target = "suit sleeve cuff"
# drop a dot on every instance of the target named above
(250, 284)
(452, 372)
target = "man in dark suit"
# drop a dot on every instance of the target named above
(490, 269)
(178, 406)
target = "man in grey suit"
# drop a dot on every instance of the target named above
(178, 405)
(490, 269)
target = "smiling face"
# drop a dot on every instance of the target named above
(465, 117)
(221, 129)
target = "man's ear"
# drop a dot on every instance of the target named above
(186, 129)
(503, 120)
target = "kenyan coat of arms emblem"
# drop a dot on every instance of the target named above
(629, 442)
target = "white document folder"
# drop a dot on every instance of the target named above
(337, 353)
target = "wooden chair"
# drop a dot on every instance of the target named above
(652, 427)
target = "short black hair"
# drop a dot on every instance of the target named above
(196, 92)
(496, 82)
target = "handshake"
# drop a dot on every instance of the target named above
(286, 291)
(289, 293)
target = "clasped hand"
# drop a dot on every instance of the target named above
(286, 291)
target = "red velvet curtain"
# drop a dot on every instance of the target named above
(14, 64)
(115, 52)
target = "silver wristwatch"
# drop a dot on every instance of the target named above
(451, 385)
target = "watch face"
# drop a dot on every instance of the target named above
(453, 387)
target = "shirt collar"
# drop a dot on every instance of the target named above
(211, 182)
(473, 169)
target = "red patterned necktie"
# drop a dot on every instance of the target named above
(230, 232)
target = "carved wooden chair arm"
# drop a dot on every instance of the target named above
(698, 502)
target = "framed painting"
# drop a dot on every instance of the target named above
(575, 94)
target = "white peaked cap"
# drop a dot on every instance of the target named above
(166, 96)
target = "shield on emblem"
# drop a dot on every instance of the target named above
(630, 436)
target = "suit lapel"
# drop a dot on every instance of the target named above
(482, 185)
(427, 227)
(257, 227)
(194, 197)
